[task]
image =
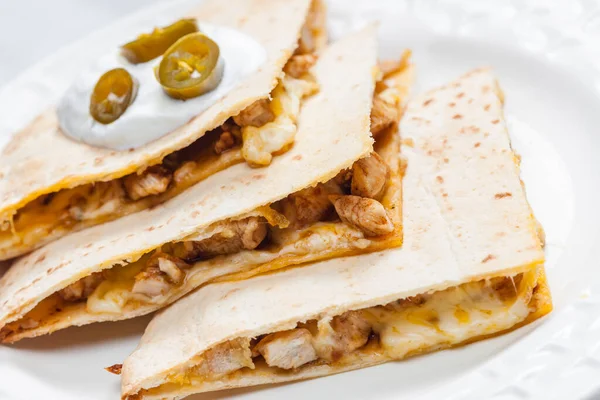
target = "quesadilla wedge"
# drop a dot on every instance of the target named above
(330, 195)
(51, 185)
(471, 267)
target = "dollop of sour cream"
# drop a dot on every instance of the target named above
(153, 114)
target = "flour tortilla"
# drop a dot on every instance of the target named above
(333, 132)
(466, 218)
(28, 170)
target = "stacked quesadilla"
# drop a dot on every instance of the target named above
(334, 193)
(471, 266)
(310, 221)
(47, 194)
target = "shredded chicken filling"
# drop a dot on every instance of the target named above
(262, 130)
(154, 278)
(353, 202)
(394, 330)
(306, 222)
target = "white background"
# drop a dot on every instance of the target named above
(31, 30)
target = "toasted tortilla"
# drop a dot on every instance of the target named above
(333, 132)
(466, 219)
(28, 170)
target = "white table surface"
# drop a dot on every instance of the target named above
(33, 29)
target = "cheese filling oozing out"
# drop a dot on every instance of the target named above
(355, 212)
(100, 202)
(393, 331)
(303, 227)
(264, 129)
(312, 224)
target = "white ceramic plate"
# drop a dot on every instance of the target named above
(548, 63)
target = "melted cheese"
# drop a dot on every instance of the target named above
(410, 326)
(115, 292)
(449, 317)
(260, 143)
(290, 246)
(109, 297)
(37, 222)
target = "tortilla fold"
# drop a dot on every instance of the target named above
(30, 175)
(471, 266)
(333, 133)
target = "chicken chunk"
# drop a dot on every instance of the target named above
(103, 198)
(287, 349)
(342, 335)
(172, 267)
(310, 205)
(184, 172)
(256, 114)
(370, 176)
(226, 141)
(28, 323)
(81, 289)
(226, 358)
(151, 282)
(167, 266)
(19, 325)
(161, 273)
(245, 234)
(384, 114)
(417, 300)
(344, 177)
(154, 180)
(251, 231)
(231, 127)
(365, 214)
(300, 64)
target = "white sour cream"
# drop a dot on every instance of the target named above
(153, 114)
